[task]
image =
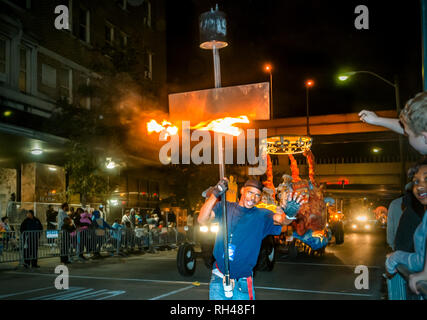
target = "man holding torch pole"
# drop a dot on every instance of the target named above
(247, 226)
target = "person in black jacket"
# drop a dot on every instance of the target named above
(413, 213)
(31, 229)
(413, 210)
(67, 229)
(413, 205)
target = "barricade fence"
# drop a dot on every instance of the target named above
(28, 246)
(421, 286)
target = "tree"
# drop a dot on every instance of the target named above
(100, 131)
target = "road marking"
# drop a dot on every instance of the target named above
(78, 293)
(172, 292)
(23, 292)
(108, 278)
(66, 295)
(57, 293)
(326, 264)
(316, 292)
(202, 283)
(112, 294)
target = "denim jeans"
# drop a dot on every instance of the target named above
(240, 291)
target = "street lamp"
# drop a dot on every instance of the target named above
(308, 84)
(110, 164)
(36, 151)
(268, 68)
(344, 76)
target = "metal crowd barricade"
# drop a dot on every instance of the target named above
(9, 246)
(421, 286)
(32, 245)
(38, 244)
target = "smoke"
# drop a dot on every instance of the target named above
(135, 106)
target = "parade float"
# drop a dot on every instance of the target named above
(317, 219)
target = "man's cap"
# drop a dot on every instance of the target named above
(255, 184)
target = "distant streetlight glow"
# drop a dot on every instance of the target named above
(110, 164)
(309, 83)
(268, 68)
(344, 76)
(37, 151)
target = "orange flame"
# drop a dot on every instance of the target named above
(223, 125)
(153, 126)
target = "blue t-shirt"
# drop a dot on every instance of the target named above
(246, 230)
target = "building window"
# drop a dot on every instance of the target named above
(70, 16)
(148, 65)
(85, 92)
(123, 40)
(84, 25)
(48, 76)
(147, 14)
(65, 82)
(24, 61)
(4, 58)
(109, 34)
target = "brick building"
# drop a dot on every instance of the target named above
(41, 64)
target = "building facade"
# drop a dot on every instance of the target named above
(50, 50)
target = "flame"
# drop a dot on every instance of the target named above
(223, 125)
(166, 126)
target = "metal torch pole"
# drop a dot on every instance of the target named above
(217, 72)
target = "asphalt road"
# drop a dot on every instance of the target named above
(155, 276)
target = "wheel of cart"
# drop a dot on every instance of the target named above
(292, 250)
(186, 260)
(207, 255)
(339, 232)
(267, 255)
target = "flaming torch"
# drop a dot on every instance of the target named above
(213, 31)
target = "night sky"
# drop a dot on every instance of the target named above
(302, 39)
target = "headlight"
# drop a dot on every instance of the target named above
(214, 228)
(362, 218)
(204, 229)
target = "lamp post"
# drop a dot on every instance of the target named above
(269, 69)
(308, 85)
(395, 85)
